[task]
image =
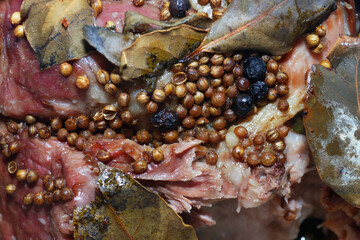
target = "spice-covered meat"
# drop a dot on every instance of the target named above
(272, 220)
(183, 178)
(27, 90)
(184, 171)
(44, 222)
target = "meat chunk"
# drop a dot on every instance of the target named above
(26, 90)
(268, 220)
(183, 178)
(342, 218)
(50, 157)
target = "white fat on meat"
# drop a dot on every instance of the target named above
(255, 187)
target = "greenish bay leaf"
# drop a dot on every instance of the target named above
(332, 120)
(108, 43)
(264, 26)
(124, 209)
(54, 29)
(151, 53)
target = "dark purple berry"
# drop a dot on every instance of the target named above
(259, 91)
(242, 105)
(166, 119)
(254, 68)
(178, 8)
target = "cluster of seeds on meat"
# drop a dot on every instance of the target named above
(259, 149)
(10, 146)
(212, 92)
(314, 40)
(9, 142)
(175, 8)
(16, 20)
(108, 123)
(182, 8)
(218, 89)
(55, 189)
(217, 10)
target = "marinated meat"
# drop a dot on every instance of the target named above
(184, 178)
(185, 181)
(267, 221)
(27, 90)
(342, 218)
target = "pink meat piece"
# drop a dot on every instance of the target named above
(177, 165)
(24, 89)
(117, 15)
(180, 177)
(202, 186)
(46, 157)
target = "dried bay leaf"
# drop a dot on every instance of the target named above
(138, 23)
(264, 26)
(108, 43)
(127, 210)
(151, 53)
(332, 120)
(54, 29)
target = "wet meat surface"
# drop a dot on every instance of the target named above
(27, 90)
(184, 178)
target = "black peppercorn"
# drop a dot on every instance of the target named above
(259, 91)
(254, 68)
(242, 105)
(166, 119)
(178, 8)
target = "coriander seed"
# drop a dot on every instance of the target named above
(82, 82)
(66, 69)
(15, 18)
